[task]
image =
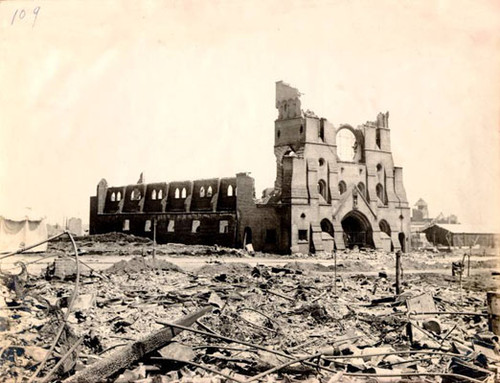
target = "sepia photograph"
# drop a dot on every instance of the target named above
(250, 191)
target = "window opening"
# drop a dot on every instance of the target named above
(224, 227)
(195, 227)
(171, 226)
(342, 187)
(302, 235)
(322, 188)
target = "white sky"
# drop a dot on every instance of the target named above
(185, 90)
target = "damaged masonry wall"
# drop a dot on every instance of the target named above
(336, 187)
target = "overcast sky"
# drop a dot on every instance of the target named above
(185, 89)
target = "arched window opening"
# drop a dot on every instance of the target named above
(184, 193)
(362, 189)
(342, 187)
(235, 191)
(379, 167)
(209, 191)
(380, 193)
(327, 227)
(153, 194)
(138, 196)
(377, 138)
(160, 194)
(118, 196)
(177, 193)
(346, 144)
(321, 162)
(322, 129)
(132, 195)
(230, 191)
(322, 188)
(202, 192)
(113, 197)
(385, 227)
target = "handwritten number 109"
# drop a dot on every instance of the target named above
(21, 14)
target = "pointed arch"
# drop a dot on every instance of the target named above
(209, 191)
(160, 194)
(184, 193)
(342, 187)
(177, 193)
(381, 193)
(362, 188)
(322, 189)
(113, 197)
(202, 192)
(118, 196)
(230, 191)
(153, 194)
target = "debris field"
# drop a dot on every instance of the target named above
(147, 320)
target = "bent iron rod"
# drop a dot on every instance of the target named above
(32, 246)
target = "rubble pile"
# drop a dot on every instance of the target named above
(146, 320)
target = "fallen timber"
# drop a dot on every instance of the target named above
(123, 358)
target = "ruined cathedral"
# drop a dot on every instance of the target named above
(335, 188)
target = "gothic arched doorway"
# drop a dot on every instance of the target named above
(357, 230)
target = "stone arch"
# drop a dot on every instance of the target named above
(113, 197)
(380, 193)
(349, 146)
(342, 187)
(322, 189)
(327, 226)
(357, 230)
(230, 191)
(386, 228)
(362, 189)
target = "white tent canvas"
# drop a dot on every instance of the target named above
(21, 230)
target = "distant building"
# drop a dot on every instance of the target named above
(420, 221)
(420, 211)
(74, 226)
(336, 187)
(461, 235)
